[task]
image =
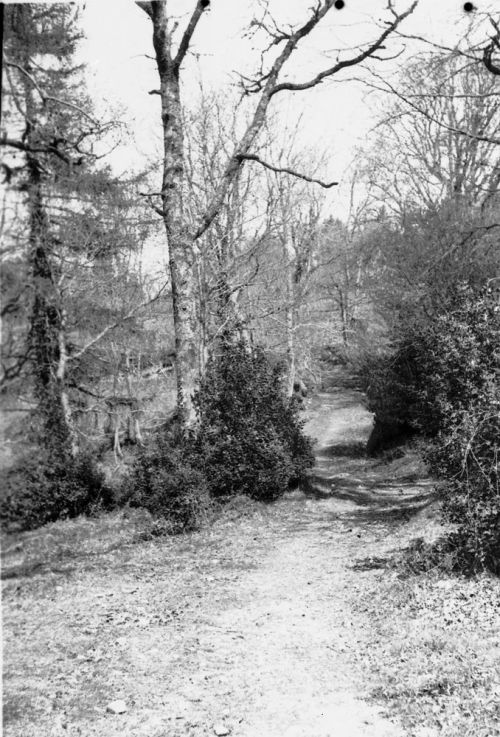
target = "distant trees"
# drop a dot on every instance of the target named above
(438, 189)
(227, 253)
(281, 300)
(349, 267)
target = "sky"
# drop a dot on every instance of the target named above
(334, 118)
(331, 121)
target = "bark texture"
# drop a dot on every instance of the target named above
(47, 337)
(180, 241)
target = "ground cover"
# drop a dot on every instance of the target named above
(288, 619)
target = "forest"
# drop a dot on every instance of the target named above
(175, 331)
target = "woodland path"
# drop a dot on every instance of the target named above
(252, 628)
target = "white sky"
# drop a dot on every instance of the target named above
(334, 117)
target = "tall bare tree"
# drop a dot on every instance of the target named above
(441, 122)
(171, 49)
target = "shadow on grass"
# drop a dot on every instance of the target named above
(400, 559)
(336, 399)
(368, 494)
(55, 563)
(420, 557)
(23, 571)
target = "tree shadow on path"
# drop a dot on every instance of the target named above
(366, 496)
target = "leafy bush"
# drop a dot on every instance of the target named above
(249, 435)
(256, 464)
(388, 382)
(465, 391)
(168, 482)
(248, 440)
(44, 488)
(443, 379)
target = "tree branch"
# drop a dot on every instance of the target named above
(45, 97)
(389, 89)
(285, 170)
(188, 33)
(146, 6)
(375, 46)
(115, 325)
(4, 141)
(149, 196)
(488, 51)
(12, 305)
(271, 87)
(84, 390)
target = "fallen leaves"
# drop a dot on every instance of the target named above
(188, 632)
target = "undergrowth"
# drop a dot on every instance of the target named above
(442, 380)
(247, 440)
(44, 487)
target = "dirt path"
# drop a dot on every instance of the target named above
(252, 628)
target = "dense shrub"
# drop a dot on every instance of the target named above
(168, 482)
(44, 487)
(464, 389)
(247, 440)
(389, 383)
(249, 436)
(443, 379)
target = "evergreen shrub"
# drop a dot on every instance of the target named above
(45, 487)
(249, 435)
(444, 379)
(167, 481)
(248, 440)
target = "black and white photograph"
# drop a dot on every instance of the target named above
(250, 368)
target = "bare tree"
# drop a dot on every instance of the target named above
(291, 249)
(442, 125)
(182, 238)
(226, 252)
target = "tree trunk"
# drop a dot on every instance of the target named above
(182, 241)
(61, 390)
(290, 256)
(47, 330)
(181, 246)
(290, 347)
(229, 317)
(343, 315)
